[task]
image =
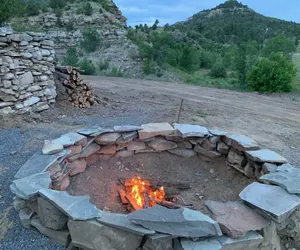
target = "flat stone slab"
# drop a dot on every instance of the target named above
(181, 222)
(249, 242)
(90, 150)
(187, 130)
(240, 142)
(136, 145)
(39, 163)
(28, 187)
(71, 139)
(107, 138)
(217, 132)
(235, 218)
(154, 129)
(186, 153)
(209, 244)
(122, 222)
(272, 201)
(51, 147)
(127, 128)
(288, 180)
(266, 155)
(76, 207)
(89, 131)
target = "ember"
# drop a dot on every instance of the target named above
(141, 195)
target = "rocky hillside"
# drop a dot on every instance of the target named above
(67, 26)
(232, 22)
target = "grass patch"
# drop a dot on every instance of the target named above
(296, 80)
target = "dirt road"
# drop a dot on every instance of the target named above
(274, 121)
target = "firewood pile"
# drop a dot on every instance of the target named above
(79, 93)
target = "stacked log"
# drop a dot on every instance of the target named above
(79, 93)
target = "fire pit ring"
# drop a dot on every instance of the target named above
(74, 222)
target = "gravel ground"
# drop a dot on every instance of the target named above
(16, 146)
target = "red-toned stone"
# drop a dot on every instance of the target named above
(74, 150)
(77, 167)
(108, 150)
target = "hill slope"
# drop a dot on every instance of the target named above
(233, 22)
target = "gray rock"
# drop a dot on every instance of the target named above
(287, 180)
(76, 207)
(90, 150)
(269, 168)
(155, 129)
(136, 145)
(188, 130)
(25, 216)
(121, 221)
(7, 98)
(26, 37)
(50, 216)
(223, 148)
(265, 155)
(62, 237)
(211, 155)
(51, 147)
(236, 159)
(32, 100)
(47, 43)
(107, 138)
(94, 235)
(186, 153)
(127, 128)
(158, 241)
(209, 244)
(39, 163)
(160, 144)
(15, 37)
(271, 201)
(271, 238)
(6, 104)
(206, 144)
(129, 136)
(89, 131)
(287, 168)
(71, 139)
(23, 43)
(9, 76)
(181, 222)
(235, 218)
(249, 242)
(28, 187)
(26, 79)
(26, 55)
(19, 203)
(240, 142)
(34, 88)
(108, 150)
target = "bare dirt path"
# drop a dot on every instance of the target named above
(274, 121)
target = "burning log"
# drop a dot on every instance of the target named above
(79, 93)
(123, 196)
(133, 203)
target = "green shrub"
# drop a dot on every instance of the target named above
(218, 71)
(115, 72)
(87, 66)
(90, 40)
(71, 58)
(57, 4)
(148, 67)
(272, 74)
(103, 65)
(32, 8)
(88, 9)
(70, 26)
(11, 8)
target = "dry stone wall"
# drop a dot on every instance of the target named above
(26, 72)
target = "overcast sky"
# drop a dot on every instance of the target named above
(171, 11)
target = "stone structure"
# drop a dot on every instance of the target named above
(26, 72)
(264, 213)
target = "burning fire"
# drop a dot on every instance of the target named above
(143, 194)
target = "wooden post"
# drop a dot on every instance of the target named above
(180, 109)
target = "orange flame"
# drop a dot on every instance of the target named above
(138, 189)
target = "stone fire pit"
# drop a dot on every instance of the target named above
(268, 207)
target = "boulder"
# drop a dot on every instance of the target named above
(270, 201)
(181, 222)
(155, 129)
(50, 216)
(235, 218)
(96, 236)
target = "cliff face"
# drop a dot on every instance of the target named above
(67, 26)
